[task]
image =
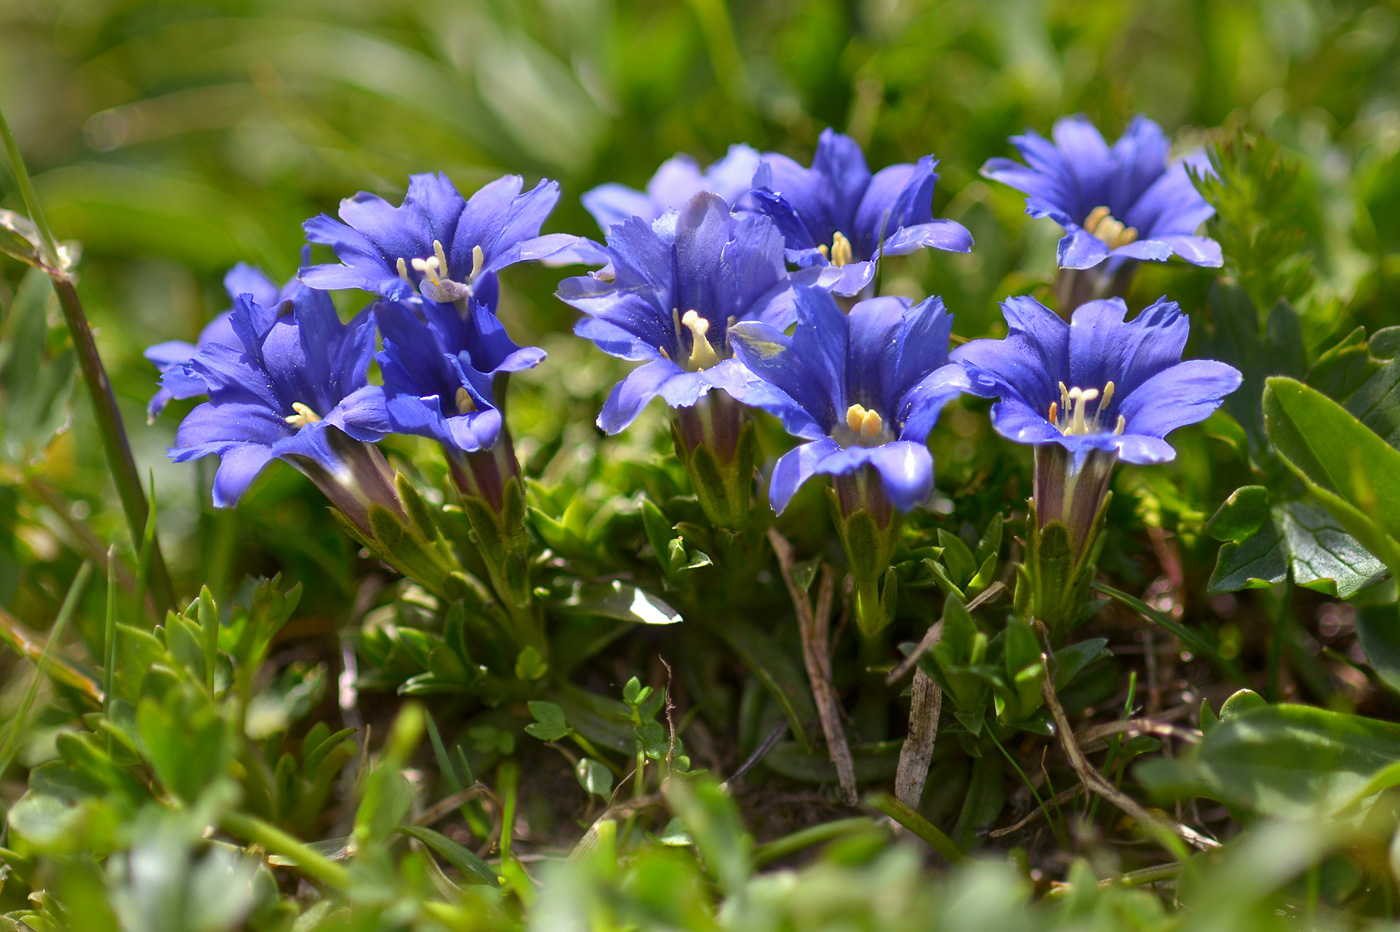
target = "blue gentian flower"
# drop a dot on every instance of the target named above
(1121, 202)
(281, 392)
(677, 181)
(172, 357)
(439, 367)
(862, 389)
(1097, 383)
(437, 244)
(673, 290)
(840, 219)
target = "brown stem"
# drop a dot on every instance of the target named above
(1096, 782)
(926, 702)
(814, 626)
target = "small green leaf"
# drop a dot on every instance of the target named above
(594, 776)
(1243, 513)
(473, 868)
(614, 599)
(550, 723)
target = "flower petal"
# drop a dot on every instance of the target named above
(794, 468)
(1184, 394)
(629, 396)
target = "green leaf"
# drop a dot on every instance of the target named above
(1296, 537)
(550, 723)
(594, 776)
(1292, 761)
(712, 821)
(473, 868)
(1378, 630)
(614, 599)
(1243, 513)
(1348, 467)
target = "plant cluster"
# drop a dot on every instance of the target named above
(576, 670)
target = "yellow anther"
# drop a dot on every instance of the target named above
(1122, 423)
(1055, 414)
(841, 252)
(863, 422)
(1111, 231)
(825, 250)
(465, 404)
(403, 270)
(478, 260)
(303, 416)
(702, 354)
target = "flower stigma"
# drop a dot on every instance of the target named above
(1069, 414)
(840, 252)
(702, 354)
(1111, 231)
(303, 416)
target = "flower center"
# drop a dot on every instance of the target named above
(702, 354)
(866, 428)
(436, 285)
(1070, 414)
(303, 416)
(1111, 231)
(840, 252)
(465, 404)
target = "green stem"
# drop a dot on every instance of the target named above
(917, 824)
(276, 841)
(114, 441)
(27, 195)
(771, 851)
(104, 403)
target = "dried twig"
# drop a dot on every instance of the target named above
(933, 634)
(815, 629)
(1096, 782)
(1058, 799)
(926, 702)
(759, 754)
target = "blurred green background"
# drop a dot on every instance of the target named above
(177, 138)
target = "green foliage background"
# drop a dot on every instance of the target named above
(173, 139)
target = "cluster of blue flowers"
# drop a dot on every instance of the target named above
(746, 284)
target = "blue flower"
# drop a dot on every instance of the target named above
(1097, 382)
(677, 181)
(278, 391)
(863, 389)
(673, 290)
(436, 244)
(173, 356)
(440, 367)
(840, 219)
(1123, 202)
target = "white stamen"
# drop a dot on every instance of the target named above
(478, 260)
(303, 416)
(1071, 414)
